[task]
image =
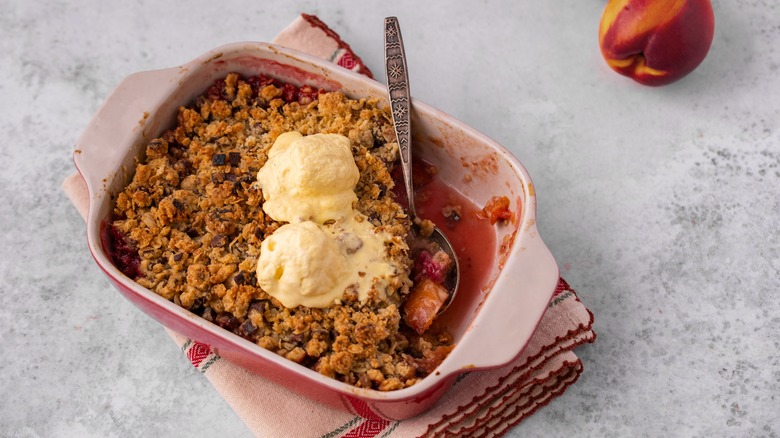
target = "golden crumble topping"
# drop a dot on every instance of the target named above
(190, 224)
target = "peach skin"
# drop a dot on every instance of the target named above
(656, 42)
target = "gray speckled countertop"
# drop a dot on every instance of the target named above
(661, 206)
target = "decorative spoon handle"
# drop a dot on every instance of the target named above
(400, 106)
(400, 100)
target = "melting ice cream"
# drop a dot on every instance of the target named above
(327, 248)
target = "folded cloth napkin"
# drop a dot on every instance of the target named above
(480, 404)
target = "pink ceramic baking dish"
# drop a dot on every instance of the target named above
(490, 327)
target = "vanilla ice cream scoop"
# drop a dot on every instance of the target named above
(309, 178)
(327, 247)
(301, 264)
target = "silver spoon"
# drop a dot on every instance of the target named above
(400, 105)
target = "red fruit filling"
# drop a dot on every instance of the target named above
(120, 251)
(435, 267)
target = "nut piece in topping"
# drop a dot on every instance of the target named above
(350, 242)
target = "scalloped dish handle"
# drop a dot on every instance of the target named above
(503, 329)
(99, 152)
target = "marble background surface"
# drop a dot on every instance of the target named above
(661, 206)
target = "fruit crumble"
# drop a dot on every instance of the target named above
(191, 226)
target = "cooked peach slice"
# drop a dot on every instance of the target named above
(423, 304)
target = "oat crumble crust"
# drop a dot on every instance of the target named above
(195, 217)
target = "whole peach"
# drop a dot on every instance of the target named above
(656, 42)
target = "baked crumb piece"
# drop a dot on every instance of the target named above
(496, 209)
(452, 212)
(425, 227)
(190, 224)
